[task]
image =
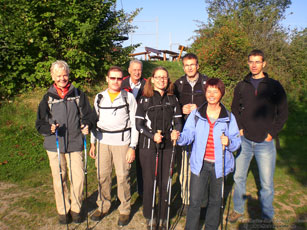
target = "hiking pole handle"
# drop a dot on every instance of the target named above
(222, 144)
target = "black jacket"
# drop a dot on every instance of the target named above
(157, 113)
(186, 94)
(126, 86)
(262, 111)
(67, 114)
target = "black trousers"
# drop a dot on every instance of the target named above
(148, 163)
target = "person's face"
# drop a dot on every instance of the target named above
(190, 67)
(114, 80)
(60, 77)
(135, 71)
(160, 80)
(213, 95)
(256, 64)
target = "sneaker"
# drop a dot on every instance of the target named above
(148, 222)
(123, 220)
(97, 215)
(234, 216)
(64, 219)
(76, 218)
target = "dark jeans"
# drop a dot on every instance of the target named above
(205, 186)
(148, 162)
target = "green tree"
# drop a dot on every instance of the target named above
(221, 50)
(87, 34)
(234, 28)
(297, 64)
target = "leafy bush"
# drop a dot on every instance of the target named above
(33, 34)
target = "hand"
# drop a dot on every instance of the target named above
(192, 107)
(53, 128)
(130, 156)
(84, 129)
(241, 132)
(92, 151)
(158, 138)
(224, 140)
(186, 109)
(175, 135)
(268, 138)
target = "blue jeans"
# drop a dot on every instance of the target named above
(204, 186)
(265, 154)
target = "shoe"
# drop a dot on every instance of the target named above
(123, 220)
(234, 216)
(148, 222)
(64, 219)
(76, 218)
(97, 215)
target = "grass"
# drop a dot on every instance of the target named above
(24, 163)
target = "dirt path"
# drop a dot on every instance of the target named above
(20, 209)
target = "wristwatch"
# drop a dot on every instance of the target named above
(132, 147)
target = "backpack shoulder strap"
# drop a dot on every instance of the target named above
(125, 98)
(77, 100)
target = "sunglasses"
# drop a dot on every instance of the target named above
(116, 78)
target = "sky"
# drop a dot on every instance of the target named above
(166, 24)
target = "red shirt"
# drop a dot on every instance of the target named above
(209, 153)
(62, 93)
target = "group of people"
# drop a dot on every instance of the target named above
(141, 120)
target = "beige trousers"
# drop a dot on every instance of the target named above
(107, 155)
(72, 166)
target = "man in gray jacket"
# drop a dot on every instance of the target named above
(66, 109)
(117, 138)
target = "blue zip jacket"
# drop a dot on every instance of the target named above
(196, 131)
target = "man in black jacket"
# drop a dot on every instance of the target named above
(260, 107)
(134, 83)
(189, 89)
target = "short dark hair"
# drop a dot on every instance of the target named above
(114, 68)
(190, 56)
(256, 53)
(217, 83)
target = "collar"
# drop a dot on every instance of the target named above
(62, 93)
(193, 81)
(134, 85)
(203, 110)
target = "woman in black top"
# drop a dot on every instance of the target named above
(158, 109)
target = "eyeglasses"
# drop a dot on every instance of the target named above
(255, 62)
(116, 78)
(161, 78)
(191, 65)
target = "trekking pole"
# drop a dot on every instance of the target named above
(169, 185)
(60, 168)
(85, 177)
(155, 185)
(222, 197)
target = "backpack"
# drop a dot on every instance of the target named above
(76, 98)
(124, 96)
